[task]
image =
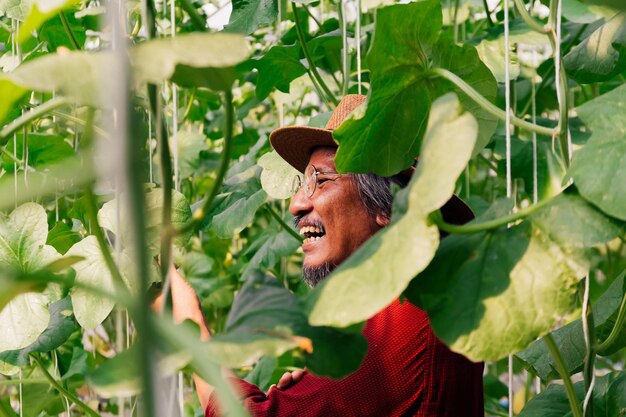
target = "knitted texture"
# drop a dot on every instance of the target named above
(407, 371)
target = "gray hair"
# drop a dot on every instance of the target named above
(375, 192)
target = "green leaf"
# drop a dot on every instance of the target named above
(77, 75)
(190, 143)
(553, 402)
(62, 237)
(602, 55)
(277, 176)
(43, 151)
(277, 69)
(191, 60)
(570, 340)
(262, 373)
(10, 93)
(181, 214)
(54, 34)
(599, 167)
(616, 396)
(269, 249)
(380, 270)
(529, 270)
(583, 12)
(234, 209)
(248, 15)
(23, 249)
(385, 137)
(266, 319)
(59, 329)
(91, 309)
(41, 10)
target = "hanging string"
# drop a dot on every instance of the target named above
(357, 38)
(174, 103)
(150, 156)
(587, 339)
(344, 49)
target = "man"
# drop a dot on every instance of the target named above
(407, 371)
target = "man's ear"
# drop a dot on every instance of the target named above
(382, 220)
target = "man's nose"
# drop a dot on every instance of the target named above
(300, 204)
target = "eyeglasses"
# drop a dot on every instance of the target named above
(310, 180)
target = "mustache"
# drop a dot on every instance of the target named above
(300, 218)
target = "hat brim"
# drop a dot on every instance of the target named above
(295, 144)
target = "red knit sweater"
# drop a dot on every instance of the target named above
(407, 372)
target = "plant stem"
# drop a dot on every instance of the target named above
(567, 382)
(199, 214)
(23, 381)
(69, 31)
(73, 119)
(62, 389)
(33, 115)
(306, 9)
(560, 83)
(530, 21)
(307, 55)
(284, 225)
(487, 105)
(488, 13)
(196, 20)
(491, 224)
(617, 328)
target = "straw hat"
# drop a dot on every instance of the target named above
(296, 143)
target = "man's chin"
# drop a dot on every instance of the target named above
(313, 275)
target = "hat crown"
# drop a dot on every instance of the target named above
(343, 110)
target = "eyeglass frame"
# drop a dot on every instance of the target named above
(300, 180)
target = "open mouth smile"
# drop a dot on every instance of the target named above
(312, 233)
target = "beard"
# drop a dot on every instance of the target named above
(314, 275)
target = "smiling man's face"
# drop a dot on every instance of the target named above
(334, 217)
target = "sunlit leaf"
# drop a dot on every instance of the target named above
(43, 151)
(602, 182)
(385, 137)
(197, 59)
(602, 55)
(581, 11)
(277, 176)
(381, 269)
(15, 9)
(529, 271)
(23, 248)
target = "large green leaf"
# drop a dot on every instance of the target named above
(41, 10)
(43, 151)
(266, 319)
(570, 337)
(490, 294)
(580, 11)
(602, 55)
(381, 269)
(59, 329)
(278, 68)
(191, 60)
(385, 136)
(78, 75)
(599, 167)
(10, 93)
(268, 249)
(23, 249)
(248, 15)
(91, 309)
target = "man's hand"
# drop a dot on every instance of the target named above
(289, 379)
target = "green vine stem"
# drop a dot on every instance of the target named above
(200, 213)
(590, 352)
(617, 328)
(196, 20)
(567, 382)
(23, 381)
(62, 389)
(73, 119)
(490, 224)
(312, 68)
(530, 21)
(487, 105)
(69, 31)
(488, 13)
(284, 225)
(34, 114)
(562, 127)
